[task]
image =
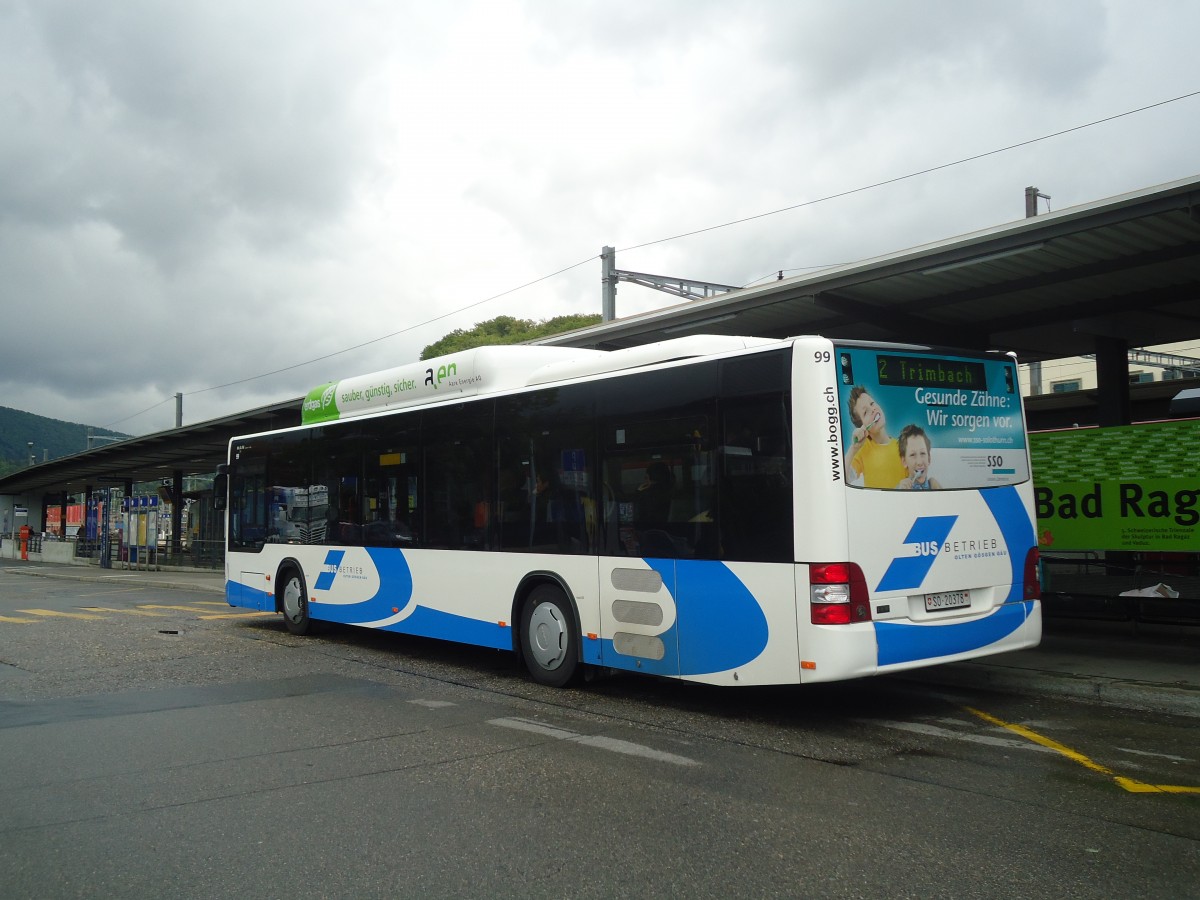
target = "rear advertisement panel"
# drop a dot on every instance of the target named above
(919, 421)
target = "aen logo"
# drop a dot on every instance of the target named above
(333, 559)
(926, 535)
(443, 372)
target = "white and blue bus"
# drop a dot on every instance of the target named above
(735, 511)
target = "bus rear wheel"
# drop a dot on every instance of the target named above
(549, 639)
(293, 603)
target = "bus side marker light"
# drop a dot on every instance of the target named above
(807, 664)
(592, 636)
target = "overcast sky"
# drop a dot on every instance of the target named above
(194, 194)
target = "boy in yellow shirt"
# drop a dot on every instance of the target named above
(873, 453)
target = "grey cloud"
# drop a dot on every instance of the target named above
(175, 122)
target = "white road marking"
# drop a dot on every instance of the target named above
(1155, 755)
(934, 731)
(600, 742)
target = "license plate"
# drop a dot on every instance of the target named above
(947, 600)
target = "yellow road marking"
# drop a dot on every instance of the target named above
(211, 603)
(166, 606)
(16, 620)
(64, 615)
(123, 612)
(249, 615)
(1129, 784)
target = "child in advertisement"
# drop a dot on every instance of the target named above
(915, 454)
(874, 454)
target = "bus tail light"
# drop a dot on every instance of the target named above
(1033, 583)
(838, 594)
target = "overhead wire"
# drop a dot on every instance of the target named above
(878, 184)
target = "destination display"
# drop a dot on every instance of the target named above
(916, 371)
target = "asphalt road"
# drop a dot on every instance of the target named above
(158, 743)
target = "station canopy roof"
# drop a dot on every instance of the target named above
(1126, 268)
(1046, 287)
(193, 450)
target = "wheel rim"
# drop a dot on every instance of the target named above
(548, 636)
(293, 600)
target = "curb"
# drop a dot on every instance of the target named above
(142, 579)
(1147, 696)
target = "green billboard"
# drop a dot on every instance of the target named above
(1129, 488)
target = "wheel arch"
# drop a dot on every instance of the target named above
(531, 582)
(287, 564)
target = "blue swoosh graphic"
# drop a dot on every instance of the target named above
(395, 592)
(446, 626)
(908, 643)
(1017, 530)
(719, 624)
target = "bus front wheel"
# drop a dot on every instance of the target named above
(294, 603)
(549, 640)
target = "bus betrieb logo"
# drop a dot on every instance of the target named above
(333, 559)
(927, 535)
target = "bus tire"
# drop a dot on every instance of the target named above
(293, 602)
(549, 638)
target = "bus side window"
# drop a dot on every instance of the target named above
(337, 467)
(291, 505)
(458, 475)
(391, 460)
(547, 500)
(756, 492)
(656, 434)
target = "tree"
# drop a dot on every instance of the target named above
(505, 330)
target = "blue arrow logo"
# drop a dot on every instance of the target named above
(926, 537)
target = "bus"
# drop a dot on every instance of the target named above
(726, 510)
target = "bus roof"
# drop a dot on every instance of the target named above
(488, 370)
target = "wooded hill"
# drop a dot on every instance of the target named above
(18, 428)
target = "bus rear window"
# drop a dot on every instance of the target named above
(919, 421)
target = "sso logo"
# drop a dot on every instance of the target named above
(333, 559)
(926, 536)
